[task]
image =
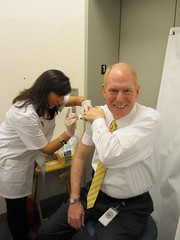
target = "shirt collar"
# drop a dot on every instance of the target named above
(124, 121)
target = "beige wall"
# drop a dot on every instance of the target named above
(28, 48)
(72, 57)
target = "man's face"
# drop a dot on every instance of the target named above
(120, 92)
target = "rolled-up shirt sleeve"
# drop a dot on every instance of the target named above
(87, 136)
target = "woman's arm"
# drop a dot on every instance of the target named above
(79, 101)
(74, 101)
(53, 146)
(56, 144)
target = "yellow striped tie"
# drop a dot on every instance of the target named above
(98, 177)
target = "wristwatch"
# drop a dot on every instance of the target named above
(74, 200)
(62, 141)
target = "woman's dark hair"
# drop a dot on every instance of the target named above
(50, 81)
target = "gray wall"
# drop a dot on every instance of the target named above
(144, 33)
(132, 31)
(102, 43)
(101, 47)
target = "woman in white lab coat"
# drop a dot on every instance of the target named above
(25, 137)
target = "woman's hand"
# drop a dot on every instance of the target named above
(85, 106)
(70, 123)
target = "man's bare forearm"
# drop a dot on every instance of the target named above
(77, 168)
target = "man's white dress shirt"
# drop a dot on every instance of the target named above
(131, 153)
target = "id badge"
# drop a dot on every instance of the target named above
(108, 216)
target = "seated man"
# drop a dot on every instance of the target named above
(125, 162)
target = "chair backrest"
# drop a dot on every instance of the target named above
(149, 233)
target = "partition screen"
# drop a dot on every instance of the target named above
(169, 107)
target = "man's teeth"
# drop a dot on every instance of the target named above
(120, 105)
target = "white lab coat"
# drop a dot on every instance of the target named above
(22, 134)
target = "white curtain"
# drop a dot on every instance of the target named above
(167, 194)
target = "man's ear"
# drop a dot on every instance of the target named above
(137, 91)
(103, 88)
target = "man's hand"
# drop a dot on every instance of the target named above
(76, 215)
(93, 114)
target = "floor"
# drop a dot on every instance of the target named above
(47, 211)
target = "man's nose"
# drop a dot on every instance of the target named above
(119, 96)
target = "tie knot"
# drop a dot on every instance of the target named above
(113, 126)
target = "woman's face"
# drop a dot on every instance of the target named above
(54, 100)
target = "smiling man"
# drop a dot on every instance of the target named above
(120, 90)
(125, 163)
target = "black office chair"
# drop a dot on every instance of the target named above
(149, 233)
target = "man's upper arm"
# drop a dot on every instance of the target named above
(82, 150)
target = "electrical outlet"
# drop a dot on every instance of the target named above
(73, 109)
(74, 92)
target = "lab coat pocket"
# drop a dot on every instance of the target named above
(14, 171)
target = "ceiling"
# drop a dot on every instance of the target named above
(51, 11)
